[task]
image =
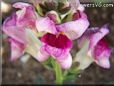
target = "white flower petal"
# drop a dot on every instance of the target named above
(67, 62)
(104, 62)
(46, 25)
(82, 57)
(74, 29)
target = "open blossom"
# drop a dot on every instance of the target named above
(26, 16)
(94, 48)
(16, 27)
(57, 42)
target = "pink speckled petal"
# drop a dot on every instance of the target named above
(46, 25)
(10, 28)
(17, 49)
(42, 54)
(102, 54)
(61, 55)
(26, 17)
(56, 52)
(74, 29)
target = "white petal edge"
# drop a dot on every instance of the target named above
(66, 63)
(74, 29)
(104, 62)
(45, 25)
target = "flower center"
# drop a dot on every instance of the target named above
(59, 40)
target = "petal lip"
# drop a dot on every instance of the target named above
(67, 62)
(60, 41)
(46, 25)
(56, 52)
(102, 49)
(74, 29)
(61, 55)
(104, 62)
(102, 54)
(95, 38)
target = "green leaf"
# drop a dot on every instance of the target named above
(39, 10)
(64, 10)
(72, 73)
(68, 17)
(70, 77)
(48, 64)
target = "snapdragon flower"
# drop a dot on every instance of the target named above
(20, 29)
(57, 42)
(94, 48)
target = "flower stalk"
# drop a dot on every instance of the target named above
(58, 72)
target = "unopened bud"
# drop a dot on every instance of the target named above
(54, 16)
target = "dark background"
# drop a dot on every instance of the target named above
(32, 72)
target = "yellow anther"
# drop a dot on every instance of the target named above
(62, 33)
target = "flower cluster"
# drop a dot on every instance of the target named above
(59, 23)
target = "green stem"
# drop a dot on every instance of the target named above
(58, 73)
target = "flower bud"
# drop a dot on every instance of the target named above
(63, 8)
(54, 16)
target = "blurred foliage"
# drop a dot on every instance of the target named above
(102, 1)
(40, 79)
